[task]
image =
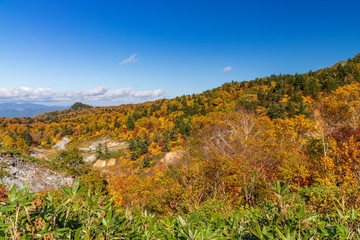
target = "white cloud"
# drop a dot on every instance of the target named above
(131, 59)
(150, 93)
(227, 69)
(95, 95)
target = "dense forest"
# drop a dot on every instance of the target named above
(277, 157)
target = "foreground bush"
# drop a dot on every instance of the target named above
(81, 215)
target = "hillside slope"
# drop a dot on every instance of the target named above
(236, 142)
(275, 96)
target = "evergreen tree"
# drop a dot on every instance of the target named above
(291, 109)
(71, 161)
(146, 162)
(130, 123)
(150, 125)
(261, 96)
(276, 111)
(106, 150)
(116, 124)
(203, 111)
(166, 145)
(185, 128)
(27, 137)
(99, 152)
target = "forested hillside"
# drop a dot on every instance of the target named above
(236, 145)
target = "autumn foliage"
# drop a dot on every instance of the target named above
(236, 141)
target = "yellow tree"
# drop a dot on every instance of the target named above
(239, 141)
(289, 137)
(342, 166)
(342, 107)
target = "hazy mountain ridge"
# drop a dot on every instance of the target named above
(14, 110)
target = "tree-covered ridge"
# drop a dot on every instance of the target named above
(232, 144)
(324, 99)
(276, 96)
(78, 106)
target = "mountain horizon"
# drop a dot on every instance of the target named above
(14, 110)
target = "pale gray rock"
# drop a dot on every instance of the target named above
(171, 158)
(38, 177)
(62, 144)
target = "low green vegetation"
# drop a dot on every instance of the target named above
(70, 161)
(86, 214)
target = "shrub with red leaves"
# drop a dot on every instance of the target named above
(3, 193)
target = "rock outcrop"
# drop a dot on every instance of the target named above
(172, 157)
(102, 164)
(39, 178)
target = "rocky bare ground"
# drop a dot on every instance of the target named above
(172, 157)
(62, 144)
(39, 178)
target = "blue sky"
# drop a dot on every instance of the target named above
(59, 51)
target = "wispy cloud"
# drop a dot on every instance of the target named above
(131, 59)
(95, 95)
(227, 69)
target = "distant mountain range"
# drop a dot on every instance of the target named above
(14, 110)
